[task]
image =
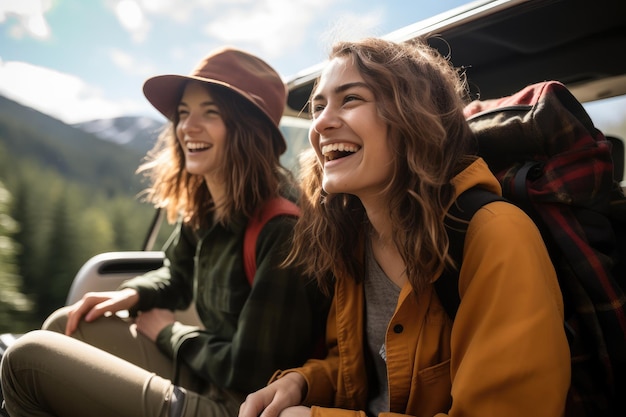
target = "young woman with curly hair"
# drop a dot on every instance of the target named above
(392, 151)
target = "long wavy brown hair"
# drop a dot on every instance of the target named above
(420, 96)
(251, 170)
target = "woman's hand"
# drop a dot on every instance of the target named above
(97, 304)
(151, 322)
(297, 411)
(278, 398)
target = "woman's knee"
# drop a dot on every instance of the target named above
(32, 344)
(25, 349)
(47, 351)
(57, 320)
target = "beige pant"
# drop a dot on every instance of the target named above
(47, 374)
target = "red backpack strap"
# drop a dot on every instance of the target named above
(272, 208)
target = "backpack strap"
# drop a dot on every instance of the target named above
(272, 208)
(456, 222)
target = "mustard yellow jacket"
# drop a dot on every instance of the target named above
(506, 354)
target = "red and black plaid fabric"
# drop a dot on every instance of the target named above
(554, 163)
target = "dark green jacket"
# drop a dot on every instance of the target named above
(249, 332)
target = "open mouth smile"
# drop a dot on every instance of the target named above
(339, 150)
(193, 147)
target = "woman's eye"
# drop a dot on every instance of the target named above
(316, 108)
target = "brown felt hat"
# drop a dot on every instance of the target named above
(250, 77)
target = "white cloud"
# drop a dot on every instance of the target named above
(267, 24)
(131, 17)
(129, 13)
(353, 26)
(24, 7)
(275, 26)
(38, 26)
(63, 96)
(129, 64)
(30, 14)
(272, 26)
(178, 11)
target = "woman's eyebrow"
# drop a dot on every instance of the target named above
(202, 104)
(341, 88)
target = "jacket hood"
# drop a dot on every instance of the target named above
(477, 174)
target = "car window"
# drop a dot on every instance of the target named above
(607, 115)
(296, 132)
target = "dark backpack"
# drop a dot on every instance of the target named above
(554, 164)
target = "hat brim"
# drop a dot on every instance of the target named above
(164, 93)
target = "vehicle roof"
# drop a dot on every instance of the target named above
(507, 44)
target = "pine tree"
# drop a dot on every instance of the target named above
(15, 307)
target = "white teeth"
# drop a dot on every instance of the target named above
(341, 147)
(195, 146)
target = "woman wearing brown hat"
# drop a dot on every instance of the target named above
(213, 169)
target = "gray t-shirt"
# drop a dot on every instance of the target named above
(381, 298)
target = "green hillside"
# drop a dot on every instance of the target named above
(76, 155)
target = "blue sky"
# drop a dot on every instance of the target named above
(79, 60)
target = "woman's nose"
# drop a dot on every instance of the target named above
(326, 119)
(189, 123)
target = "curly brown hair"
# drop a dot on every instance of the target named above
(421, 98)
(252, 170)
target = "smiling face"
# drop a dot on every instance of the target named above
(201, 132)
(348, 134)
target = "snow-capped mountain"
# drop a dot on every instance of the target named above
(136, 132)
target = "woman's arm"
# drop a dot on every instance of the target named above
(510, 355)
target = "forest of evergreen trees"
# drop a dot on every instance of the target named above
(49, 228)
(65, 196)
